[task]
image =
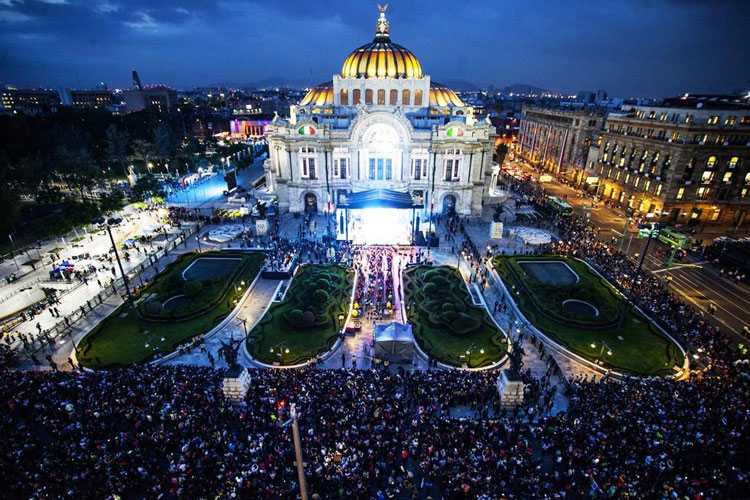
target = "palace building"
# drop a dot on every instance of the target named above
(382, 126)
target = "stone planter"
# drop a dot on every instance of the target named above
(510, 387)
(496, 230)
(235, 384)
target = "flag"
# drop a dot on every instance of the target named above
(306, 130)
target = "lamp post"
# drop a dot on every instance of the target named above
(244, 324)
(473, 347)
(110, 222)
(601, 352)
(298, 453)
(628, 301)
(282, 349)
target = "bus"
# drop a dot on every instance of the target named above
(673, 238)
(559, 206)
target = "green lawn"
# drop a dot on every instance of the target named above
(307, 322)
(445, 321)
(643, 350)
(121, 341)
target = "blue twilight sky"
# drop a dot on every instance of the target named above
(628, 47)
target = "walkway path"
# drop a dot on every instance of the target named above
(251, 311)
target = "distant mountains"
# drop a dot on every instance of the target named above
(300, 83)
(523, 88)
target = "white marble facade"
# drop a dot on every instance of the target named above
(396, 129)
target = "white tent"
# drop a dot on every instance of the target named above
(394, 342)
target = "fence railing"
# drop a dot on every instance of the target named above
(66, 325)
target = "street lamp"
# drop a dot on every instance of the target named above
(282, 349)
(109, 223)
(651, 227)
(470, 351)
(601, 352)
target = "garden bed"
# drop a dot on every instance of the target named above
(637, 347)
(127, 337)
(308, 320)
(446, 324)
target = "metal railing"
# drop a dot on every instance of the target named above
(65, 327)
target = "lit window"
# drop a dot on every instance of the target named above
(711, 162)
(307, 162)
(707, 176)
(452, 164)
(727, 179)
(733, 162)
(680, 193)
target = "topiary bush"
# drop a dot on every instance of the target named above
(323, 284)
(320, 297)
(192, 288)
(296, 318)
(430, 289)
(308, 319)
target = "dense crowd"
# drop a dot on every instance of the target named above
(167, 432)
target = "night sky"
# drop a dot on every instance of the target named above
(650, 48)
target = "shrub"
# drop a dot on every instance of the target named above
(296, 318)
(323, 284)
(192, 288)
(448, 306)
(320, 297)
(308, 319)
(430, 289)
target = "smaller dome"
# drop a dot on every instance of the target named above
(442, 96)
(320, 95)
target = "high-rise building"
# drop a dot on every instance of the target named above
(685, 161)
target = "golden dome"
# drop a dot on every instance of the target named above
(320, 95)
(442, 96)
(381, 58)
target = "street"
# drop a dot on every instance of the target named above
(694, 280)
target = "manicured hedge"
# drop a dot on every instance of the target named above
(444, 320)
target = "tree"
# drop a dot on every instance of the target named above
(146, 186)
(116, 144)
(500, 153)
(165, 142)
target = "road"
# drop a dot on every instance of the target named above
(695, 281)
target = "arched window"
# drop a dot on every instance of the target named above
(344, 97)
(356, 97)
(394, 97)
(406, 98)
(368, 96)
(418, 98)
(381, 97)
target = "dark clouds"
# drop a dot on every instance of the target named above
(630, 47)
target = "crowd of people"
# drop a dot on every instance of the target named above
(375, 285)
(168, 432)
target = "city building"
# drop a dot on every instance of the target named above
(381, 124)
(558, 140)
(31, 101)
(242, 129)
(92, 98)
(159, 97)
(685, 161)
